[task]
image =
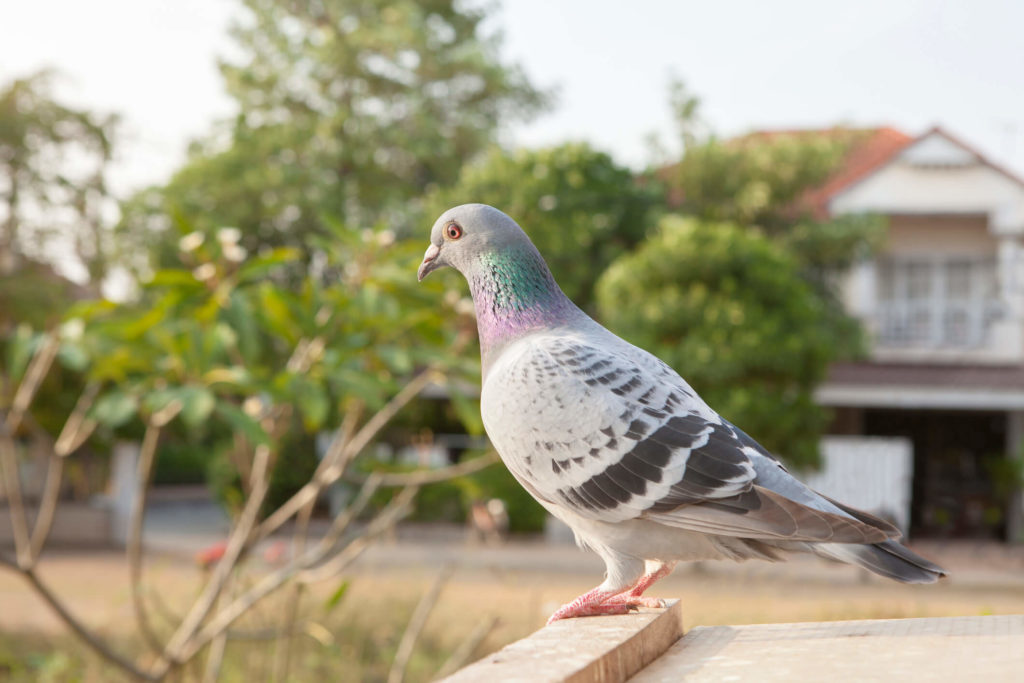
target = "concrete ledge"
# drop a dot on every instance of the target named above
(940, 649)
(592, 649)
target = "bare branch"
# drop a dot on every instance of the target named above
(398, 507)
(85, 634)
(34, 375)
(185, 634)
(416, 624)
(369, 430)
(283, 645)
(215, 658)
(283, 649)
(12, 481)
(47, 508)
(77, 428)
(341, 452)
(421, 477)
(147, 454)
(386, 519)
(74, 433)
(353, 510)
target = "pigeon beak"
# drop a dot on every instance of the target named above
(430, 262)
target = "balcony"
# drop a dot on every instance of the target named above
(931, 308)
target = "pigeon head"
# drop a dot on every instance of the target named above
(465, 234)
(512, 287)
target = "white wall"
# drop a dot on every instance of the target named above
(874, 474)
(937, 177)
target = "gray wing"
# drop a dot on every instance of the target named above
(614, 434)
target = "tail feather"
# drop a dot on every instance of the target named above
(888, 559)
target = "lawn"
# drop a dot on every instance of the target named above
(518, 586)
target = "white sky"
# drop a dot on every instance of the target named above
(784, 63)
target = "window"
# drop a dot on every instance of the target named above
(936, 302)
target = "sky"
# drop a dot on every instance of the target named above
(781, 64)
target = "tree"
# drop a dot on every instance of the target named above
(350, 108)
(53, 163)
(767, 182)
(729, 310)
(579, 207)
(215, 349)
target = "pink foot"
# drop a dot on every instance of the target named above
(588, 604)
(635, 601)
(568, 611)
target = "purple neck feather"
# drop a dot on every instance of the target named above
(514, 295)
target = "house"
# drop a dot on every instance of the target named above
(943, 301)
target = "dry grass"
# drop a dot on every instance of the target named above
(356, 640)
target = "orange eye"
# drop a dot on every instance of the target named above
(453, 231)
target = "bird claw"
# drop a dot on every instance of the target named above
(570, 611)
(636, 601)
(617, 604)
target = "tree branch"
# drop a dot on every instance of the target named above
(147, 454)
(34, 375)
(47, 508)
(77, 428)
(173, 652)
(416, 624)
(341, 453)
(12, 482)
(85, 634)
(431, 476)
(270, 583)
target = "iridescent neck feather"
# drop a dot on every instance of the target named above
(515, 294)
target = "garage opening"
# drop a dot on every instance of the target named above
(961, 487)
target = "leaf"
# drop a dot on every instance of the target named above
(364, 385)
(242, 422)
(197, 404)
(73, 357)
(335, 598)
(174, 277)
(262, 265)
(157, 400)
(398, 359)
(20, 349)
(312, 401)
(468, 411)
(115, 408)
(277, 314)
(234, 375)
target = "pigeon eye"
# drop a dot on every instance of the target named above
(453, 231)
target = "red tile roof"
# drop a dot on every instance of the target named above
(869, 149)
(877, 148)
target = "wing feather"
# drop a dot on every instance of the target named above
(612, 433)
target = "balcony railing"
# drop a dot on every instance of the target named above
(936, 303)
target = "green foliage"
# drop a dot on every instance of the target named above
(236, 351)
(450, 500)
(767, 182)
(53, 161)
(525, 515)
(728, 309)
(349, 108)
(757, 180)
(579, 207)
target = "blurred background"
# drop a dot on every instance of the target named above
(211, 214)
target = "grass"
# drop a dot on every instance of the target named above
(356, 639)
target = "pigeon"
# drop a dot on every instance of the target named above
(614, 443)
